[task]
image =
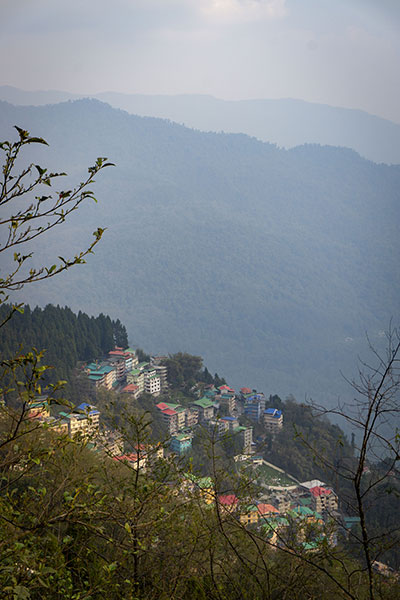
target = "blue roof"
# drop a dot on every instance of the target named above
(273, 411)
(228, 418)
(85, 407)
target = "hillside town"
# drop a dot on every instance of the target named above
(281, 506)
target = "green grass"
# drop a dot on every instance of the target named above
(270, 476)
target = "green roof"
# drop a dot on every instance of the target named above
(305, 501)
(204, 403)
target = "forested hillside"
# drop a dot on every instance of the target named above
(66, 337)
(286, 122)
(270, 263)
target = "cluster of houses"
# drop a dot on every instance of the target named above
(306, 515)
(310, 505)
(216, 410)
(121, 371)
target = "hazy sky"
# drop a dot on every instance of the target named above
(339, 52)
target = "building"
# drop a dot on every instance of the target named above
(273, 420)
(132, 389)
(152, 384)
(266, 510)
(227, 403)
(101, 375)
(254, 406)
(39, 408)
(192, 417)
(324, 499)
(246, 435)
(231, 423)
(162, 373)
(249, 516)
(228, 503)
(85, 423)
(205, 408)
(136, 377)
(181, 443)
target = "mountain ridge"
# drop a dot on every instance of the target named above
(287, 122)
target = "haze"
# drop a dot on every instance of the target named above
(343, 53)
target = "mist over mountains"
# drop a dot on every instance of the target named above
(286, 122)
(270, 263)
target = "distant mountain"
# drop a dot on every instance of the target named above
(286, 122)
(270, 263)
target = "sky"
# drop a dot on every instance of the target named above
(338, 52)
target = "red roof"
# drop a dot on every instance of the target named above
(228, 500)
(161, 405)
(128, 457)
(265, 509)
(169, 412)
(320, 491)
(131, 387)
(245, 390)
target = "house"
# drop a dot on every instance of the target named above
(192, 417)
(228, 503)
(39, 408)
(266, 510)
(180, 443)
(324, 499)
(162, 373)
(92, 414)
(136, 377)
(254, 406)
(227, 403)
(273, 420)
(205, 408)
(246, 435)
(152, 384)
(249, 516)
(135, 460)
(101, 375)
(132, 389)
(231, 423)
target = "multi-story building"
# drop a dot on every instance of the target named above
(132, 389)
(231, 422)
(180, 443)
(227, 403)
(205, 408)
(246, 434)
(273, 420)
(136, 376)
(254, 406)
(152, 384)
(169, 416)
(39, 408)
(101, 375)
(324, 499)
(192, 417)
(162, 373)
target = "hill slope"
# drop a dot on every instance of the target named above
(269, 263)
(286, 122)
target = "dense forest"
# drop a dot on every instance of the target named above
(67, 338)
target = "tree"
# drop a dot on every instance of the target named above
(29, 210)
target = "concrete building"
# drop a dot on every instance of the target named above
(273, 420)
(324, 499)
(180, 443)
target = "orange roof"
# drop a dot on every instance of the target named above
(265, 509)
(131, 387)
